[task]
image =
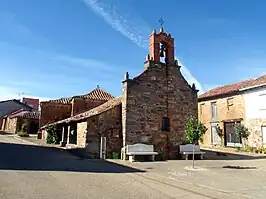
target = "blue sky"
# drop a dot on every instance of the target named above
(60, 48)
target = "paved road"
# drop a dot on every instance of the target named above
(29, 171)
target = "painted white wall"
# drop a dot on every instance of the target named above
(255, 103)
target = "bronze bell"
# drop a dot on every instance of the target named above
(162, 53)
(162, 50)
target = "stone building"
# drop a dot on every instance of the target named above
(153, 109)
(243, 102)
(15, 121)
(55, 110)
(9, 106)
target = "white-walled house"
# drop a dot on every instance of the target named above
(255, 113)
(242, 102)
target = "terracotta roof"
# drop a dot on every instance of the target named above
(62, 100)
(99, 109)
(26, 114)
(95, 111)
(236, 87)
(96, 94)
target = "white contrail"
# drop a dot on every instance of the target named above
(189, 77)
(111, 16)
(137, 35)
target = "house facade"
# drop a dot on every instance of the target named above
(152, 109)
(9, 106)
(21, 120)
(243, 102)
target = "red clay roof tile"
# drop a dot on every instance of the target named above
(234, 87)
(96, 94)
(27, 115)
(95, 111)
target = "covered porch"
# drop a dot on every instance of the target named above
(96, 133)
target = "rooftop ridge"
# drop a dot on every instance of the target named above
(234, 87)
(95, 94)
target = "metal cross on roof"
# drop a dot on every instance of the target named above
(161, 22)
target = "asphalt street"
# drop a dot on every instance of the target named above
(29, 171)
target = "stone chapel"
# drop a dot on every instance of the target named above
(152, 109)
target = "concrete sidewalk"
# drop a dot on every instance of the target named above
(231, 151)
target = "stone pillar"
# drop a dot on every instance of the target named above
(63, 140)
(68, 134)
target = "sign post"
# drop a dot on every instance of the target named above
(193, 151)
(193, 155)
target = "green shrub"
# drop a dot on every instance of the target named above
(109, 155)
(116, 155)
(261, 149)
(52, 135)
(23, 134)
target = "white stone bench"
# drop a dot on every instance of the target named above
(140, 149)
(188, 150)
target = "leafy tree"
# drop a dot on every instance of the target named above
(194, 130)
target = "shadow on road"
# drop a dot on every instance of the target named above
(213, 155)
(39, 158)
(5, 133)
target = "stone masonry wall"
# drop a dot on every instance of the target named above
(81, 134)
(1, 123)
(11, 125)
(52, 112)
(80, 105)
(255, 128)
(235, 111)
(106, 124)
(156, 93)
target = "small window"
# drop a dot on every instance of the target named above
(116, 133)
(201, 108)
(214, 110)
(230, 103)
(166, 124)
(113, 133)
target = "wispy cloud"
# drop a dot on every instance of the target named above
(190, 78)
(133, 31)
(85, 63)
(118, 22)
